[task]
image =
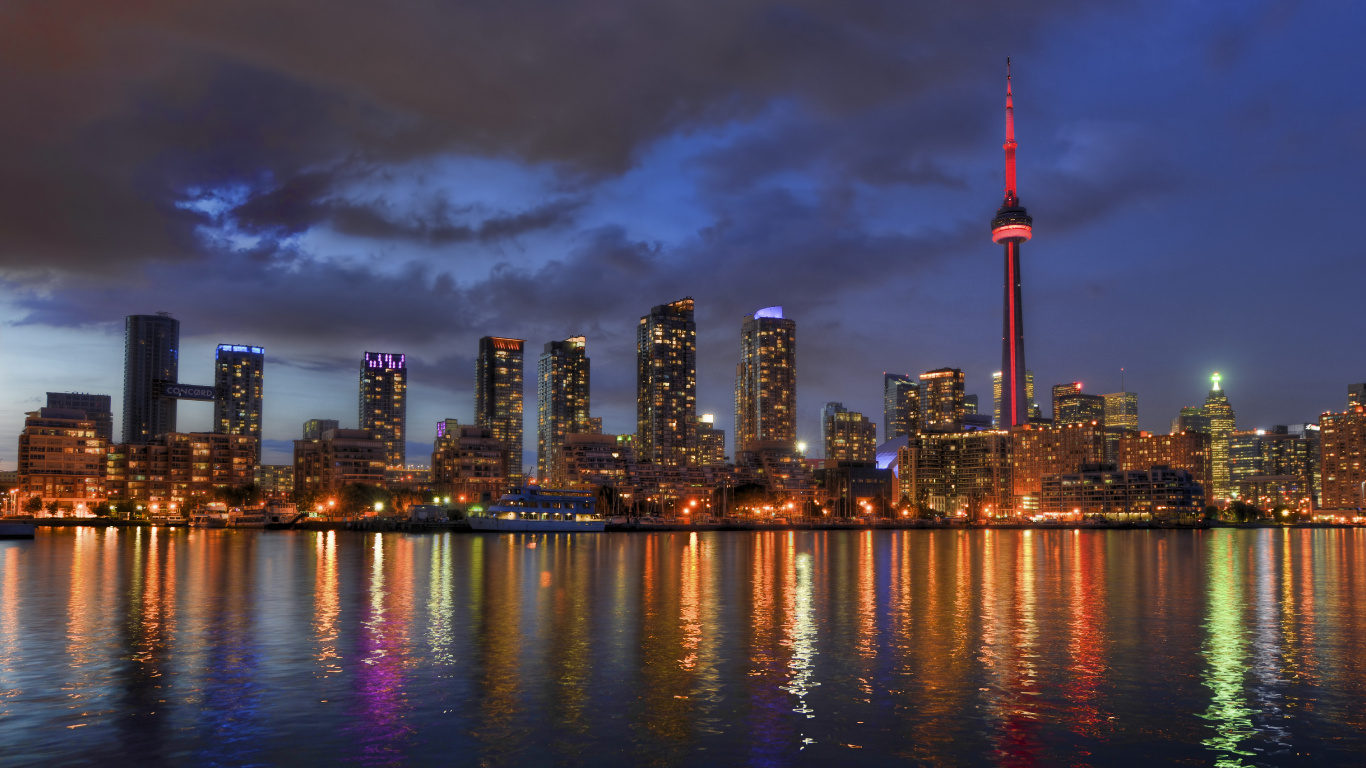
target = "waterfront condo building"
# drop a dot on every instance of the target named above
(562, 399)
(941, 400)
(1181, 450)
(338, 457)
(276, 481)
(1159, 493)
(1272, 468)
(99, 408)
(498, 397)
(766, 380)
(1038, 451)
(238, 383)
(151, 358)
(1342, 446)
(848, 435)
(61, 459)
(180, 467)
(666, 386)
(469, 463)
(384, 402)
(592, 460)
(900, 406)
(961, 474)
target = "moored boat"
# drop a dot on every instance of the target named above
(537, 509)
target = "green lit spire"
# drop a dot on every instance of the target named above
(1215, 379)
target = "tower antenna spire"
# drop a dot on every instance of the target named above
(1012, 196)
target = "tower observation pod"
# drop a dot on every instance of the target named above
(1012, 226)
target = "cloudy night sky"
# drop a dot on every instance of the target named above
(326, 178)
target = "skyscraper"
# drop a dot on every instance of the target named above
(900, 406)
(941, 400)
(238, 383)
(1221, 426)
(384, 402)
(1191, 419)
(1343, 450)
(98, 407)
(1011, 227)
(766, 379)
(1034, 412)
(561, 399)
(151, 358)
(1121, 410)
(1356, 395)
(666, 385)
(498, 396)
(1072, 406)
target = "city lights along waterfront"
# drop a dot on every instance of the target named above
(173, 646)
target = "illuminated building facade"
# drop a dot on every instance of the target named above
(1356, 395)
(1038, 451)
(1221, 426)
(238, 383)
(181, 468)
(1191, 419)
(314, 428)
(1342, 446)
(1182, 450)
(1158, 493)
(468, 463)
(384, 402)
(594, 460)
(711, 442)
(964, 474)
(1072, 406)
(900, 406)
(276, 481)
(562, 399)
(61, 459)
(1011, 227)
(941, 400)
(849, 435)
(151, 357)
(1035, 414)
(776, 465)
(1271, 468)
(666, 386)
(498, 397)
(766, 379)
(339, 457)
(98, 408)
(1121, 410)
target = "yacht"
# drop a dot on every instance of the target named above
(209, 519)
(540, 509)
(247, 518)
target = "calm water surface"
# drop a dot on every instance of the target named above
(159, 646)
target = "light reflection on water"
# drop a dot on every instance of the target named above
(161, 646)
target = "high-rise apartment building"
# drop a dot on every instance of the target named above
(1121, 410)
(238, 384)
(151, 358)
(314, 428)
(962, 474)
(848, 435)
(99, 408)
(766, 379)
(1072, 406)
(498, 396)
(180, 467)
(941, 400)
(711, 442)
(1221, 426)
(562, 395)
(900, 406)
(468, 463)
(1269, 468)
(340, 457)
(666, 385)
(1342, 446)
(384, 402)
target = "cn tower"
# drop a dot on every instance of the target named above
(1011, 227)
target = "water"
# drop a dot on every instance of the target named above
(158, 646)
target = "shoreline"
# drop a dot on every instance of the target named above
(890, 525)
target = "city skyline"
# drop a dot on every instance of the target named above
(491, 242)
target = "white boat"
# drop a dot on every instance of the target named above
(247, 518)
(537, 509)
(209, 520)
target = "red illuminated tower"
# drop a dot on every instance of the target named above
(1011, 227)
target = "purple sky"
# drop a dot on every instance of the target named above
(323, 179)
